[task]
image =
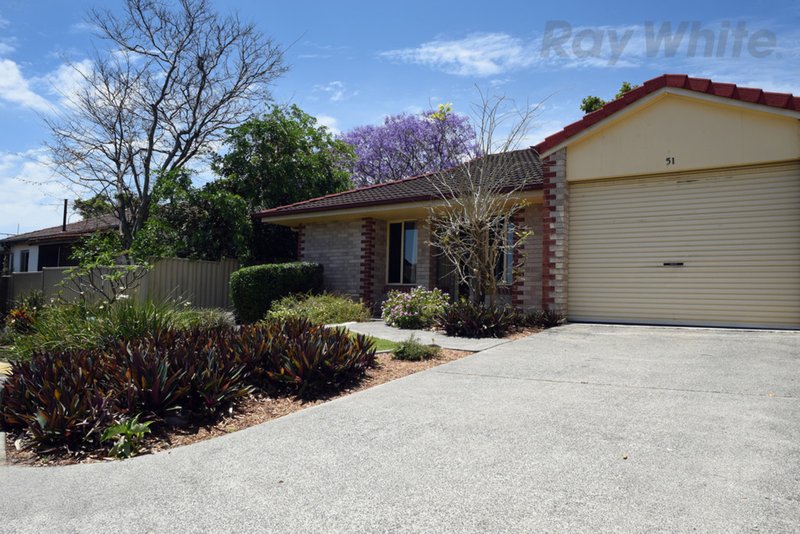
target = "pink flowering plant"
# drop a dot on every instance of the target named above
(418, 308)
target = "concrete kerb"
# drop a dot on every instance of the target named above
(380, 330)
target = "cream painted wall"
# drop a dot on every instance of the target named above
(699, 133)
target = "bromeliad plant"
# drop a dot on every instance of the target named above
(418, 308)
(64, 401)
(465, 319)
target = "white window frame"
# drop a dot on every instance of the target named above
(507, 276)
(402, 250)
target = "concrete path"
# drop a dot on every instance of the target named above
(379, 329)
(581, 428)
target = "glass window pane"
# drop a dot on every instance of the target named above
(410, 253)
(509, 271)
(395, 252)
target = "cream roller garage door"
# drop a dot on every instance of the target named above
(715, 249)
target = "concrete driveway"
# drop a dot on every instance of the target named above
(581, 428)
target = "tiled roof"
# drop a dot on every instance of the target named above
(520, 168)
(679, 81)
(72, 231)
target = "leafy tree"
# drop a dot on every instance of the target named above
(408, 145)
(190, 222)
(174, 77)
(93, 207)
(280, 158)
(593, 103)
(624, 88)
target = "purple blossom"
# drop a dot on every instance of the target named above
(408, 145)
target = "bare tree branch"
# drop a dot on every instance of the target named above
(170, 84)
(479, 198)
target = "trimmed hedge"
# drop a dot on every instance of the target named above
(255, 288)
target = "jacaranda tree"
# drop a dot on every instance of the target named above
(408, 145)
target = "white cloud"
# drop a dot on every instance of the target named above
(478, 54)
(32, 197)
(329, 122)
(16, 89)
(82, 27)
(65, 81)
(336, 91)
(7, 45)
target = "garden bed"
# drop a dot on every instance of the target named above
(251, 411)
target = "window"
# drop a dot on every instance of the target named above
(504, 270)
(24, 257)
(401, 258)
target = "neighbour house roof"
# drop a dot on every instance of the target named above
(72, 231)
(519, 168)
(784, 101)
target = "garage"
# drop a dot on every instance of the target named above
(717, 248)
(677, 204)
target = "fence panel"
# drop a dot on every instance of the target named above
(203, 283)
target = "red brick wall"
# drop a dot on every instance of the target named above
(555, 232)
(367, 272)
(301, 241)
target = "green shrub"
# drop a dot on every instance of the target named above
(255, 288)
(321, 309)
(127, 436)
(418, 308)
(66, 400)
(413, 350)
(61, 327)
(465, 319)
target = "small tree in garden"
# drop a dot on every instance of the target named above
(106, 271)
(472, 224)
(409, 145)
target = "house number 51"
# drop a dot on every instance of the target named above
(670, 161)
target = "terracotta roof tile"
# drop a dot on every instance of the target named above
(680, 81)
(522, 167)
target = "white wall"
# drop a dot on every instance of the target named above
(33, 261)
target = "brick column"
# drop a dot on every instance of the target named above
(301, 241)
(555, 232)
(367, 280)
(518, 277)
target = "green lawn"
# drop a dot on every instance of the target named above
(381, 344)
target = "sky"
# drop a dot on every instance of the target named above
(354, 63)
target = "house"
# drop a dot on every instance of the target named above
(50, 247)
(377, 238)
(676, 204)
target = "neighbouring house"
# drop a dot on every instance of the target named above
(50, 247)
(678, 203)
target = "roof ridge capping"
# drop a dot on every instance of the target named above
(677, 81)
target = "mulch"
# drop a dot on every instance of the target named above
(252, 411)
